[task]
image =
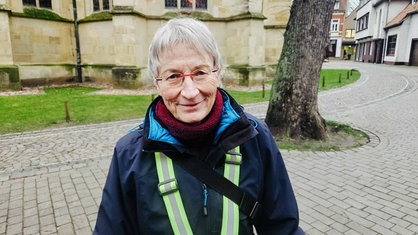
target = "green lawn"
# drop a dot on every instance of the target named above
(35, 112)
(334, 78)
(32, 112)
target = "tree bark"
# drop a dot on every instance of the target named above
(293, 106)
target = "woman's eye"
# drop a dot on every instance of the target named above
(201, 73)
(173, 76)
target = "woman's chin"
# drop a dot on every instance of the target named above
(190, 119)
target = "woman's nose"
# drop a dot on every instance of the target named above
(189, 89)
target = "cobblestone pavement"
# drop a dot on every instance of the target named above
(51, 180)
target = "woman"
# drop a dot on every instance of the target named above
(148, 193)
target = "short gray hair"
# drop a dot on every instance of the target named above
(182, 30)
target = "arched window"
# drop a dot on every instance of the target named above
(187, 4)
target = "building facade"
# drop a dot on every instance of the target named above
(41, 43)
(387, 32)
(402, 37)
(349, 33)
(336, 29)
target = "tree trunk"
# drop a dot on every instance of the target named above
(293, 106)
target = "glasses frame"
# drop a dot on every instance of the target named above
(183, 75)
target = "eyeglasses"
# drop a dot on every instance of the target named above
(177, 79)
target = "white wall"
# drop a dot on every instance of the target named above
(407, 31)
(413, 29)
(367, 8)
(380, 13)
(395, 7)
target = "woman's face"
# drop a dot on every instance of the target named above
(189, 102)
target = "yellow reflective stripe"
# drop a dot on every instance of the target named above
(230, 213)
(233, 159)
(174, 205)
(171, 195)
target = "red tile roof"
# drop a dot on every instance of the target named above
(400, 18)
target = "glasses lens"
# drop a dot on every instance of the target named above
(200, 77)
(177, 79)
(173, 79)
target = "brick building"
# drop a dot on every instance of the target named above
(336, 29)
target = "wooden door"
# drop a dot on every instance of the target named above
(413, 58)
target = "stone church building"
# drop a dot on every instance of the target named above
(41, 43)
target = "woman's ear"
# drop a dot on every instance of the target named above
(218, 75)
(157, 87)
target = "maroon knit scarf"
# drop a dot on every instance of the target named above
(191, 134)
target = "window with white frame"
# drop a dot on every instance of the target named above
(362, 22)
(337, 5)
(187, 4)
(334, 25)
(38, 3)
(101, 5)
(391, 48)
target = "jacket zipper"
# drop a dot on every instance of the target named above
(205, 199)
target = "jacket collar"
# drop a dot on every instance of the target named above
(234, 129)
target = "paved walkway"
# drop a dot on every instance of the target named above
(51, 181)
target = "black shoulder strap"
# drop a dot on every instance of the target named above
(202, 171)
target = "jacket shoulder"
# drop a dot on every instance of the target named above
(132, 138)
(257, 123)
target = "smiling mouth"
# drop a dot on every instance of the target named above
(192, 105)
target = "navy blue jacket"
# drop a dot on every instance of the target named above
(131, 202)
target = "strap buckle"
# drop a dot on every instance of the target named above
(254, 211)
(233, 157)
(250, 206)
(168, 186)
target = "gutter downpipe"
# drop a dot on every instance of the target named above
(386, 34)
(79, 72)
